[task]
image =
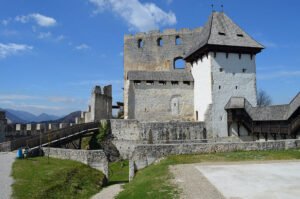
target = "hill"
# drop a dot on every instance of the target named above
(70, 118)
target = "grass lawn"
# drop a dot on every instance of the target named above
(118, 172)
(36, 178)
(154, 181)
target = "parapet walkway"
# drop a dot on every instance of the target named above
(51, 137)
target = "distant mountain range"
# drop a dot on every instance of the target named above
(16, 116)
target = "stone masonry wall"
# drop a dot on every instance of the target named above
(129, 133)
(153, 57)
(159, 102)
(94, 158)
(146, 154)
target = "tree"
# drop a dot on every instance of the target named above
(263, 99)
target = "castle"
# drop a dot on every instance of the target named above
(219, 67)
(204, 77)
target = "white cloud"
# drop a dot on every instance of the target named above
(44, 35)
(16, 97)
(82, 47)
(139, 16)
(5, 22)
(62, 99)
(279, 74)
(60, 37)
(96, 82)
(40, 19)
(12, 49)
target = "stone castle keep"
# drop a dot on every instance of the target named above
(219, 62)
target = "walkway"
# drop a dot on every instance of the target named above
(109, 192)
(243, 180)
(6, 161)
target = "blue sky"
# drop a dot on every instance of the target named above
(52, 52)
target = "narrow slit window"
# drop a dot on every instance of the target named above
(244, 70)
(162, 82)
(178, 40)
(174, 83)
(222, 33)
(160, 42)
(137, 82)
(219, 87)
(149, 82)
(240, 35)
(140, 43)
(221, 69)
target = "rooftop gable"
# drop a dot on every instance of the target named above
(220, 32)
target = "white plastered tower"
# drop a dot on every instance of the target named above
(223, 66)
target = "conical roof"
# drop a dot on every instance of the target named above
(220, 33)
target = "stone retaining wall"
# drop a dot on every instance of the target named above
(128, 133)
(94, 158)
(146, 154)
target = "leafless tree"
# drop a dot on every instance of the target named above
(263, 99)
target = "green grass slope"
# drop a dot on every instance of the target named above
(38, 178)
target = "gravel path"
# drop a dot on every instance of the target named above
(109, 192)
(193, 184)
(6, 161)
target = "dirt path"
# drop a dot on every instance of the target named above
(6, 161)
(109, 192)
(193, 184)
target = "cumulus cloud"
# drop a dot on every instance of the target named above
(139, 16)
(40, 19)
(12, 49)
(82, 47)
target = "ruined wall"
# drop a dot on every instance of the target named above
(3, 124)
(161, 102)
(100, 106)
(128, 133)
(94, 158)
(146, 154)
(153, 57)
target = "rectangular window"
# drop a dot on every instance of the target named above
(149, 83)
(174, 82)
(244, 70)
(187, 83)
(162, 83)
(137, 82)
(221, 69)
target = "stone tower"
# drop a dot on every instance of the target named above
(155, 51)
(223, 65)
(3, 123)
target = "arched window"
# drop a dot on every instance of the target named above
(160, 42)
(140, 43)
(178, 40)
(179, 63)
